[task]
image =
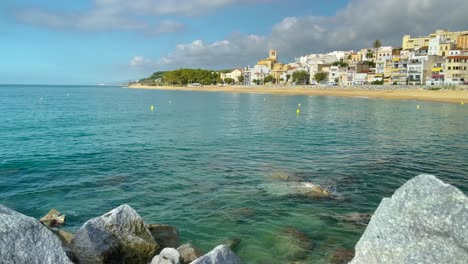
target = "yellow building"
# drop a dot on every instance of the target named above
(270, 61)
(456, 69)
(462, 42)
(416, 43)
(277, 69)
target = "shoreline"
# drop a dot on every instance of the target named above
(447, 96)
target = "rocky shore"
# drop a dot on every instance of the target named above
(425, 221)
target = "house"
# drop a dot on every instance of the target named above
(456, 69)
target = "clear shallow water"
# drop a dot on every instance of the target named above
(203, 161)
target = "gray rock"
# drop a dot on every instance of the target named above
(219, 255)
(119, 236)
(189, 252)
(167, 256)
(24, 239)
(165, 235)
(53, 219)
(425, 221)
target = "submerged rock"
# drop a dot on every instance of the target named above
(119, 236)
(284, 176)
(310, 189)
(167, 256)
(189, 252)
(165, 235)
(294, 244)
(341, 256)
(24, 239)
(355, 218)
(53, 219)
(425, 221)
(219, 255)
(233, 242)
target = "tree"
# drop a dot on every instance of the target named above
(269, 78)
(288, 76)
(300, 77)
(340, 63)
(377, 44)
(241, 79)
(369, 54)
(228, 80)
(320, 76)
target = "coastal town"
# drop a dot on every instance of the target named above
(439, 59)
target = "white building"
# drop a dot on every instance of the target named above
(258, 72)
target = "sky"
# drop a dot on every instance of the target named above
(113, 41)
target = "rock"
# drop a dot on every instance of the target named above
(24, 239)
(341, 256)
(165, 235)
(233, 243)
(284, 176)
(119, 236)
(65, 237)
(355, 218)
(310, 189)
(167, 256)
(294, 244)
(219, 255)
(53, 219)
(189, 252)
(425, 221)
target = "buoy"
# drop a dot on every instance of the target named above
(170, 102)
(299, 105)
(298, 111)
(264, 99)
(462, 103)
(417, 107)
(152, 108)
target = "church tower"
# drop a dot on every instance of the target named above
(273, 56)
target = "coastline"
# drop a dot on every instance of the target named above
(448, 96)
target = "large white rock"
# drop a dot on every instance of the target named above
(167, 256)
(119, 236)
(219, 255)
(425, 221)
(24, 239)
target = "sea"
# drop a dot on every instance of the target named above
(216, 165)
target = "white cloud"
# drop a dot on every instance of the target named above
(353, 27)
(108, 15)
(141, 62)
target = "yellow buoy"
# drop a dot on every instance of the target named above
(298, 111)
(462, 103)
(418, 107)
(152, 108)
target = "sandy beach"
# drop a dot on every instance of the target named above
(450, 96)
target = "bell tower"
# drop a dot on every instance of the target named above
(273, 55)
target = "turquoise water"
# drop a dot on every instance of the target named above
(203, 161)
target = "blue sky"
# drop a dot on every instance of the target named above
(110, 41)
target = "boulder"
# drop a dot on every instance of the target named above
(233, 242)
(284, 176)
(167, 256)
(189, 252)
(425, 221)
(310, 190)
(24, 239)
(53, 219)
(119, 236)
(65, 237)
(219, 255)
(165, 235)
